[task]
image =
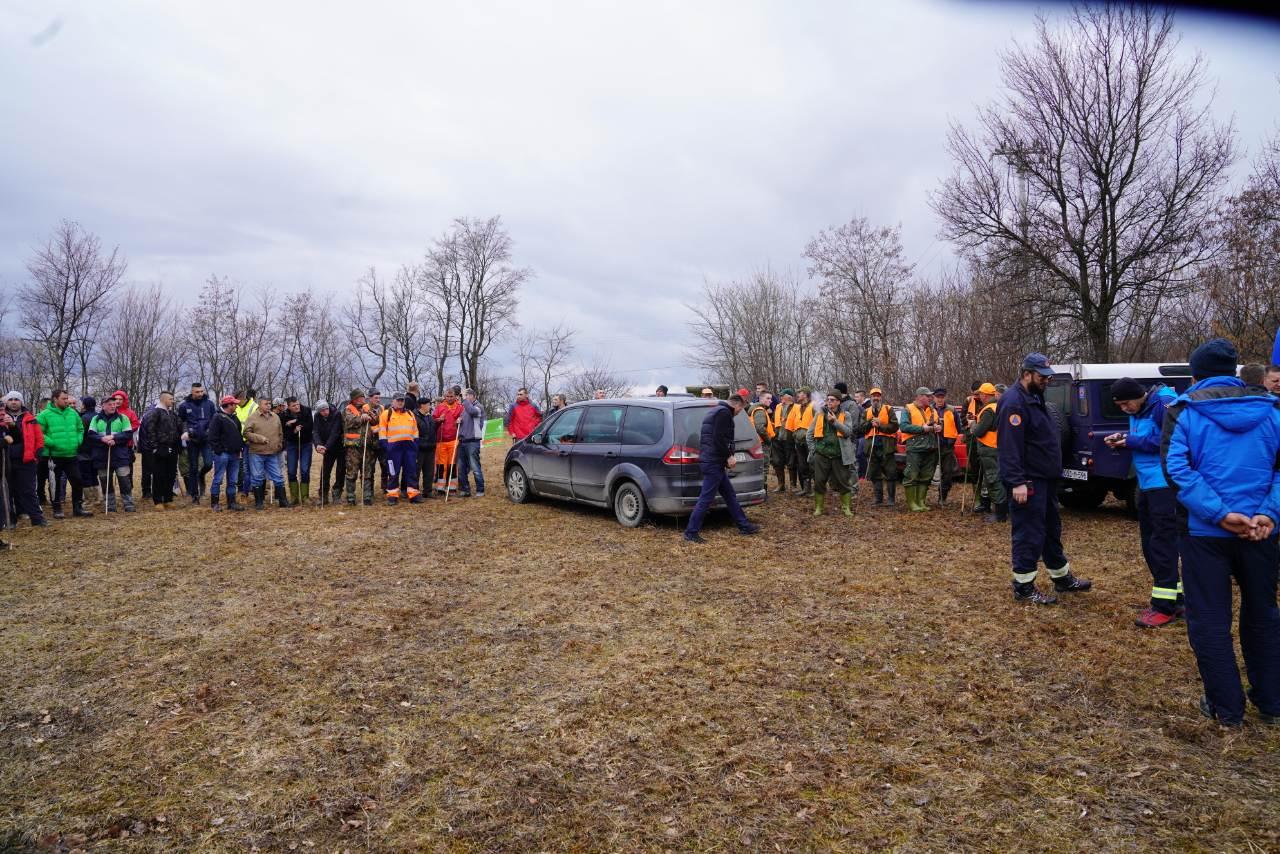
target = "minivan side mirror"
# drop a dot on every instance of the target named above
(535, 439)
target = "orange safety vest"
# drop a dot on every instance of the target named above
(782, 415)
(770, 430)
(971, 408)
(398, 426)
(817, 427)
(800, 419)
(884, 420)
(352, 437)
(949, 429)
(377, 415)
(988, 438)
(921, 419)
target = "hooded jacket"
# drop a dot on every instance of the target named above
(1221, 446)
(522, 418)
(27, 437)
(134, 421)
(1143, 441)
(264, 433)
(195, 416)
(63, 431)
(161, 432)
(115, 456)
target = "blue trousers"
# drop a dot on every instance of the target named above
(227, 465)
(292, 460)
(263, 466)
(1208, 566)
(402, 469)
(715, 480)
(199, 461)
(469, 463)
(1158, 527)
(1036, 529)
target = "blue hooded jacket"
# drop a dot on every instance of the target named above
(1221, 452)
(195, 416)
(1143, 442)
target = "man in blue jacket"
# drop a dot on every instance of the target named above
(1221, 448)
(1030, 461)
(196, 412)
(715, 459)
(1157, 514)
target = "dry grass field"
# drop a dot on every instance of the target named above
(492, 677)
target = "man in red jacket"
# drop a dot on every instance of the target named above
(23, 440)
(522, 416)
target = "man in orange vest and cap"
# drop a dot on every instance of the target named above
(398, 437)
(984, 444)
(882, 448)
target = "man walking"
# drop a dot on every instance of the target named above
(470, 439)
(522, 417)
(63, 430)
(882, 447)
(920, 423)
(715, 460)
(196, 412)
(1157, 507)
(162, 441)
(226, 441)
(24, 439)
(1030, 459)
(265, 437)
(1221, 444)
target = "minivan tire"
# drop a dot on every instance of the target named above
(629, 505)
(518, 485)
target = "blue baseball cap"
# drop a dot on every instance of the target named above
(1039, 363)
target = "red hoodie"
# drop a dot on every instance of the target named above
(134, 421)
(522, 419)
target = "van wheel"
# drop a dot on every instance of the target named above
(629, 506)
(1129, 495)
(517, 485)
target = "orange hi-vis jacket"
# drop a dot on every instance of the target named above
(398, 426)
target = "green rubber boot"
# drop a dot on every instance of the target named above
(304, 490)
(293, 492)
(819, 504)
(846, 504)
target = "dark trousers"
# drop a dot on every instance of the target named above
(715, 480)
(862, 456)
(1036, 530)
(21, 480)
(1158, 527)
(164, 473)
(67, 468)
(43, 493)
(335, 464)
(402, 466)
(148, 469)
(800, 457)
(1208, 566)
(426, 468)
(469, 464)
(199, 462)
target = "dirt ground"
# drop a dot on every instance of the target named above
(485, 676)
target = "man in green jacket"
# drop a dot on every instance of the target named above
(832, 453)
(63, 434)
(922, 426)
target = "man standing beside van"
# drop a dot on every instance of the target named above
(715, 460)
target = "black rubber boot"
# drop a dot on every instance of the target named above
(214, 505)
(282, 498)
(259, 496)
(879, 490)
(999, 514)
(893, 492)
(78, 511)
(232, 504)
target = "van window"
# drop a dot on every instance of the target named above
(643, 426)
(688, 427)
(1058, 394)
(564, 428)
(602, 425)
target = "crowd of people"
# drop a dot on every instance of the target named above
(1207, 463)
(1208, 466)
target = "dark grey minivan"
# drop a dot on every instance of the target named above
(636, 455)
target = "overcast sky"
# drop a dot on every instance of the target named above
(633, 149)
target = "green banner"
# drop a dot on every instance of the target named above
(493, 430)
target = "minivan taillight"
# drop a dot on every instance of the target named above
(679, 455)
(757, 451)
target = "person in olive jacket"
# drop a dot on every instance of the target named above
(64, 431)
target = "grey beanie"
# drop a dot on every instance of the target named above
(322, 404)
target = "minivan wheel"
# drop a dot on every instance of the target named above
(517, 485)
(629, 506)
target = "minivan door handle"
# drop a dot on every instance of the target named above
(611, 454)
(562, 453)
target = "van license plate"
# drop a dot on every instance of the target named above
(1075, 474)
(740, 457)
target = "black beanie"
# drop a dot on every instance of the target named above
(842, 388)
(1216, 358)
(1127, 388)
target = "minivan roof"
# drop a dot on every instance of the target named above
(670, 400)
(1136, 370)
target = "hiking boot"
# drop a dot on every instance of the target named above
(694, 538)
(368, 502)
(78, 511)
(128, 504)
(1266, 717)
(57, 512)
(215, 506)
(1030, 593)
(392, 502)
(1153, 619)
(749, 530)
(417, 499)
(40, 522)
(233, 505)
(1207, 709)
(982, 507)
(1070, 584)
(195, 500)
(160, 507)
(1000, 514)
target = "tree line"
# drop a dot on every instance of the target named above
(78, 323)
(1091, 215)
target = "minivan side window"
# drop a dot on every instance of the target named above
(643, 425)
(602, 425)
(564, 428)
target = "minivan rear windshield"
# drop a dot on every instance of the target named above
(688, 427)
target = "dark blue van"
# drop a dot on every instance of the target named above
(1080, 399)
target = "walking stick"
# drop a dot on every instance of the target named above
(965, 487)
(299, 429)
(453, 456)
(4, 476)
(364, 477)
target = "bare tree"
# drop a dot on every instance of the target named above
(441, 285)
(210, 333)
(487, 288)
(597, 374)
(551, 352)
(1116, 169)
(72, 283)
(367, 322)
(145, 353)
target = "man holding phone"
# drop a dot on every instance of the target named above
(1157, 516)
(1030, 459)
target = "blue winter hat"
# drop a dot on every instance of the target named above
(1215, 358)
